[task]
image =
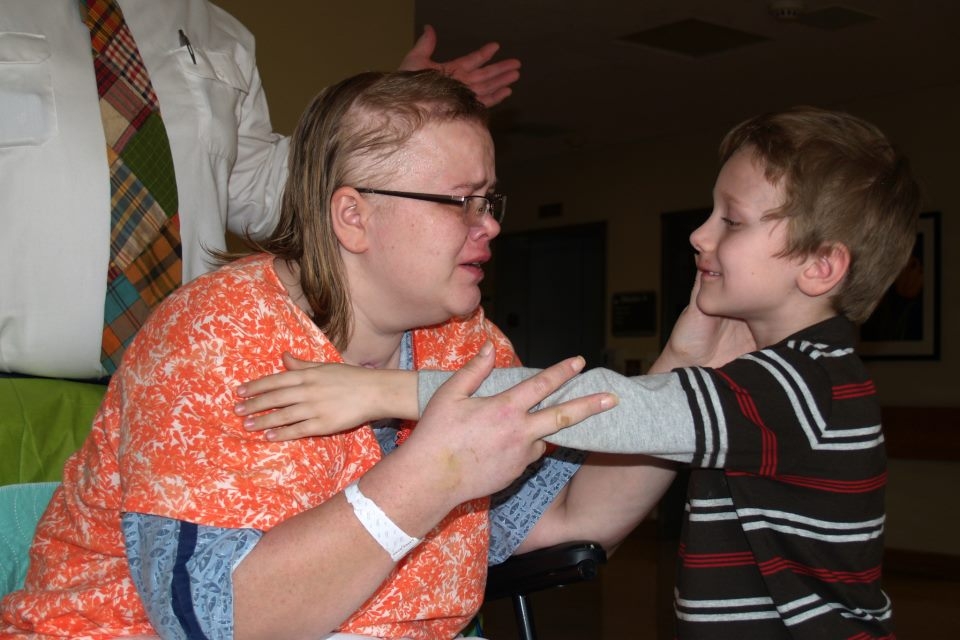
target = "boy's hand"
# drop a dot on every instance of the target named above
(699, 339)
(317, 399)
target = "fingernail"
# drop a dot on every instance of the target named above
(241, 390)
(608, 401)
(239, 407)
(486, 349)
(579, 363)
(248, 423)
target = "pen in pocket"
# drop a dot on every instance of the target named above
(185, 42)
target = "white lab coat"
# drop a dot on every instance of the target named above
(54, 184)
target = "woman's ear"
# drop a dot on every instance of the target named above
(348, 215)
(825, 269)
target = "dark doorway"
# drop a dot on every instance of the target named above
(549, 292)
(677, 272)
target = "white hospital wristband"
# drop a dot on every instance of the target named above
(379, 525)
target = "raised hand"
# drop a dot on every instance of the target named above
(491, 82)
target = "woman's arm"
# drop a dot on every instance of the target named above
(325, 556)
(317, 399)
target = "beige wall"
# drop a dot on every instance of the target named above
(314, 43)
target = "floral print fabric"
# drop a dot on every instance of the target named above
(166, 442)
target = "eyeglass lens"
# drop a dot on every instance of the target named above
(477, 206)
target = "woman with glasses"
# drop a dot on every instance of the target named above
(173, 519)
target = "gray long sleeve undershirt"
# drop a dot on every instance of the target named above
(652, 416)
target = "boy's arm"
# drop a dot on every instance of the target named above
(320, 399)
(611, 493)
(651, 416)
(654, 416)
(315, 399)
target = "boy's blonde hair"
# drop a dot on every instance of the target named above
(843, 183)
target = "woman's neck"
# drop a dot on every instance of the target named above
(371, 343)
(289, 275)
(369, 346)
(376, 352)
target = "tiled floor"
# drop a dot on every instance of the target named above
(625, 601)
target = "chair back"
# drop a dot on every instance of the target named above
(21, 506)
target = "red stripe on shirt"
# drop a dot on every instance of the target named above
(865, 485)
(717, 560)
(768, 439)
(854, 390)
(778, 564)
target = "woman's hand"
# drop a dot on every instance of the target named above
(477, 446)
(316, 399)
(699, 339)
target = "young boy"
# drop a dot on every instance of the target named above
(814, 216)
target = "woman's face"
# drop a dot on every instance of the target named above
(425, 259)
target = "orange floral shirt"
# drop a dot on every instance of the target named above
(166, 442)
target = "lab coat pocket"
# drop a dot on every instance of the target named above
(218, 88)
(28, 111)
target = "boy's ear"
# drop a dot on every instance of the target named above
(348, 214)
(825, 269)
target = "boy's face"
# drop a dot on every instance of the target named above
(741, 275)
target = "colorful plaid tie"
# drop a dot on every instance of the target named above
(145, 226)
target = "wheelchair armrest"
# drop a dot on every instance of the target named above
(554, 566)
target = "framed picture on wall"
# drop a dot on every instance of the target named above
(906, 323)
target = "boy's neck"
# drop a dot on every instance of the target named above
(771, 331)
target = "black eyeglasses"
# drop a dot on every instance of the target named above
(474, 207)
